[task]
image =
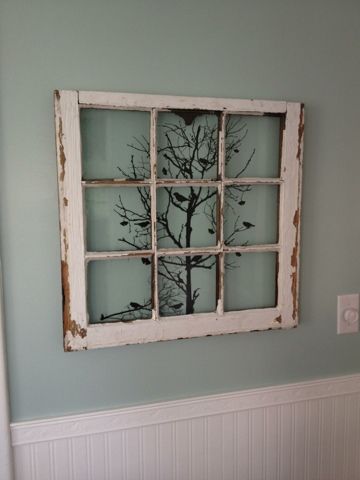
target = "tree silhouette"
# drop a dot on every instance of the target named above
(187, 149)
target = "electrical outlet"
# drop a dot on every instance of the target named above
(348, 313)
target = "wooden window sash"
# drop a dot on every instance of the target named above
(78, 333)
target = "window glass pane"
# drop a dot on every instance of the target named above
(117, 218)
(115, 143)
(187, 284)
(119, 290)
(250, 280)
(186, 217)
(251, 214)
(252, 145)
(187, 144)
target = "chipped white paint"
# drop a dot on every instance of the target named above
(78, 333)
(301, 431)
(164, 102)
(116, 182)
(68, 146)
(153, 178)
(220, 228)
(74, 341)
(184, 326)
(114, 255)
(290, 204)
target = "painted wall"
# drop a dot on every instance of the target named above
(307, 51)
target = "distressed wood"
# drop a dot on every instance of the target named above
(252, 248)
(184, 326)
(290, 204)
(220, 273)
(116, 182)
(153, 167)
(147, 102)
(71, 219)
(164, 252)
(252, 181)
(117, 254)
(78, 334)
(165, 182)
(168, 182)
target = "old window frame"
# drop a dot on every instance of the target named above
(78, 333)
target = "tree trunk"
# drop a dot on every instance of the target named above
(189, 299)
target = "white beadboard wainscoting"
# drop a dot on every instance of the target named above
(302, 431)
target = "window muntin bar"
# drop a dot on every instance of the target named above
(220, 216)
(156, 183)
(153, 172)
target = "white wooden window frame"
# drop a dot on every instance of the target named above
(79, 334)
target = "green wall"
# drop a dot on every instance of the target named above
(305, 51)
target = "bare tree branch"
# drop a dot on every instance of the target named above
(189, 151)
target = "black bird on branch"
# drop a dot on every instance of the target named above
(180, 198)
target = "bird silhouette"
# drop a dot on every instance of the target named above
(242, 202)
(124, 223)
(176, 306)
(203, 161)
(143, 224)
(248, 224)
(135, 305)
(210, 230)
(180, 280)
(146, 261)
(164, 171)
(180, 198)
